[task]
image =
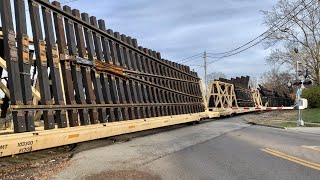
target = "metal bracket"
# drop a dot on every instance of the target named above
(67, 65)
(78, 60)
(55, 56)
(43, 57)
(84, 62)
(12, 46)
(13, 53)
(78, 68)
(11, 38)
(24, 73)
(25, 45)
(88, 69)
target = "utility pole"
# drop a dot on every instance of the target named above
(205, 72)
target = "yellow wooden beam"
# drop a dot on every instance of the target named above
(256, 97)
(3, 63)
(4, 88)
(223, 95)
(27, 142)
(203, 96)
(35, 92)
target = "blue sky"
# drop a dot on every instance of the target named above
(180, 29)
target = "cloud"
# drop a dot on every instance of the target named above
(180, 29)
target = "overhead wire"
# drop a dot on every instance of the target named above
(197, 57)
(192, 59)
(218, 58)
(261, 35)
(183, 60)
(222, 57)
(67, 2)
(208, 57)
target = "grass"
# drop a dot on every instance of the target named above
(311, 115)
(289, 118)
(294, 124)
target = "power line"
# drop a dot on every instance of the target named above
(262, 33)
(271, 28)
(214, 56)
(67, 2)
(181, 61)
(192, 59)
(273, 31)
(197, 65)
(197, 58)
(198, 68)
(222, 57)
(205, 65)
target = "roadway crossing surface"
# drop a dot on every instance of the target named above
(223, 149)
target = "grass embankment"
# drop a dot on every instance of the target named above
(311, 115)
(289, 118)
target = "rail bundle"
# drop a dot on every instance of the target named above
(274, 98)
(82, 73)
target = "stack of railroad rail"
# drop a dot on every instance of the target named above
(274, 98)
(82, 81)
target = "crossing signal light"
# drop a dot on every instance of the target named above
(307, 82)
(297, 83)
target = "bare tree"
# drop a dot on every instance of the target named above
(299, 37)
(276, 80)
(253, 82)
(214, 76)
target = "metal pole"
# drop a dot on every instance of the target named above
(205, 72)
(297, 64)
(300, 121)
(298, 97)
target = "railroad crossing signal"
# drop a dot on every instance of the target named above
(297, 83)
(307, 82)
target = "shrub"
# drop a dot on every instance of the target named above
(313, 96)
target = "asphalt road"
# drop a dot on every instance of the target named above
(225, 149)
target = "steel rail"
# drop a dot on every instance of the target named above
(91, 106)
(129, 72)
(161, 87)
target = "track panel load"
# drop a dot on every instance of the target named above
(69, 70)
